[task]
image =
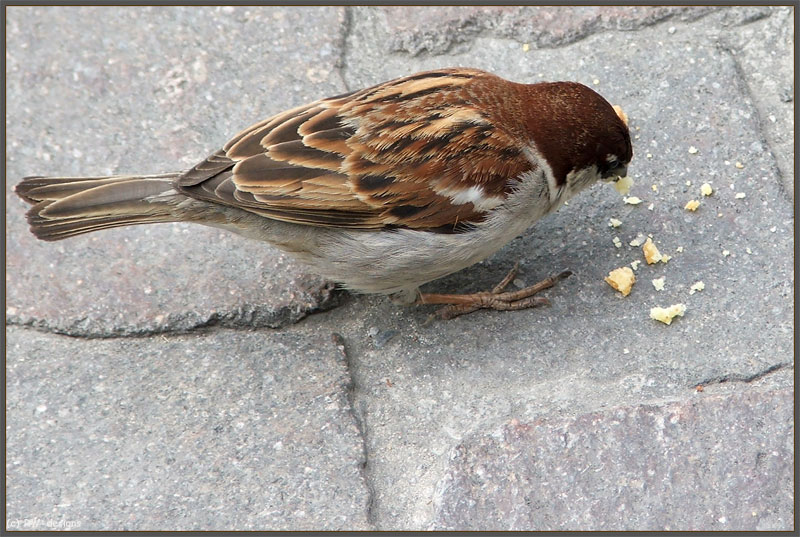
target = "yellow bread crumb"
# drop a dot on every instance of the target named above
(613, 222)
(622, 115)
(623, 185)
(692, 205)
(658, 283)
(638, 241)
(635, 264)
(706, 189)
(699, 286)
(739, 195)
(633, 200)
(665, 315)
(621, 279)
(617, 242)
(739, 165)
(692, 149)
(651, 253)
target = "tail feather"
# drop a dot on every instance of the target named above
(67, 206)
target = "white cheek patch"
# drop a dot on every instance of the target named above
(580, 179)
(539, 162)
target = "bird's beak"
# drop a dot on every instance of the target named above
(612, 176)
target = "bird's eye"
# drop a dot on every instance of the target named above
(613, 164)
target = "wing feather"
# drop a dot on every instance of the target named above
(414, 152)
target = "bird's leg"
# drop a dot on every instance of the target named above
(495, 299)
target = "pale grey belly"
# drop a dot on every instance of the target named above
(385, 262)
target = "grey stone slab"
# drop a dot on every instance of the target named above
(711, 463)
(226, 430)
(428, 386)
(418, 30)
(100, 90)
(762, 51)
(419, 390)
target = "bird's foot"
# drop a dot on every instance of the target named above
(495, 299)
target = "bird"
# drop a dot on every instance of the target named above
(381, 189)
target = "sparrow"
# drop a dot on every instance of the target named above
(381, 189)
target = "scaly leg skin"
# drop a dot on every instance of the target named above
(495, 299)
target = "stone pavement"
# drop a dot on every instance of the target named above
(178, 377)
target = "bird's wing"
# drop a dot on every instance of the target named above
(413, 152)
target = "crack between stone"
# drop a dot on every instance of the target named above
(353, 388)
(738, 377)
(726, 48)
(344, 46)
(245, 317)
(466, 32)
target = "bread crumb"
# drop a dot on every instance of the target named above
(650, 207)
(621, 279)
(739, 195)
(649, 155)
(679, 249)
(699, 286)
(651, 253)
(748, 250)
(665, 258)
(633, 200)
(706, 189)
(622, 115)
(658, 283)
(623, 185)
(625, 351)
(725, 253)
(655, 188)
(692, 205)
(665, 315)
(688, 183)
(617, 242)
(635, 264)
(613, 222)
(526, 47)
(638, 241)
(739, 165)
(692, 150)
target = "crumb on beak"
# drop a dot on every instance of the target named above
(622, 115)
(622, 184)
